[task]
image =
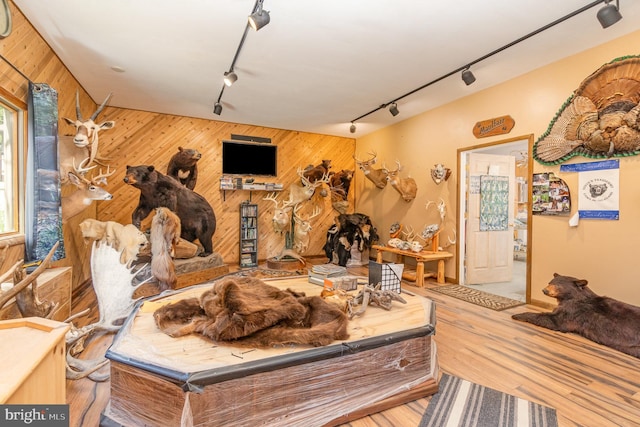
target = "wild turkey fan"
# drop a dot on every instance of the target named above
(601, 118)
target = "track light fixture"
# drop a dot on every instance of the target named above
(352, 128)
(393, 109)
(467, 76)
(259, 18)
(230, 78)
(609, 14)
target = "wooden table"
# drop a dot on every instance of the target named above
(420, 257)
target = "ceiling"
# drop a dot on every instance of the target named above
(318, 65)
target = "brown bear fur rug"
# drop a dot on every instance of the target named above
(248, 312)
(601, 319)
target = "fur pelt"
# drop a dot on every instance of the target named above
(126, 239)
(165, 235)
(248, 312)
(601, 319)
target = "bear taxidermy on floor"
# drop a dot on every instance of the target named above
(601, 319)
(246, 311)
(196, 215)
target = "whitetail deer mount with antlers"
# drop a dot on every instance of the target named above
(407, 187)
(302, 229)
(281, 215)
(87, 192)
(377, 176)
(299, 193)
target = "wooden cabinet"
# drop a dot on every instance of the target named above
(32, 354)
(248, 235)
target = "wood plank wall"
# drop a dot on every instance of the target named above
(141, 137)
(27, 52)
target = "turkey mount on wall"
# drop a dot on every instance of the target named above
(601, 119)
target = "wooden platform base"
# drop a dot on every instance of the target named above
(156, 380)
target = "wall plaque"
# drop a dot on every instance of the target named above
(495, 126)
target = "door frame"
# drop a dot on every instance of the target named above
(462, 202)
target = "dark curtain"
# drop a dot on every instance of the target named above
(43, 226)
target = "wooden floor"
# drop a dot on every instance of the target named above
(588, 384)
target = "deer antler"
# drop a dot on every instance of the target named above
(316, 211)
(273, 198)
(399, 168)
(101, 178)
(305, 181)
(83, 167)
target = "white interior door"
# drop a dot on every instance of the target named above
(489, 248)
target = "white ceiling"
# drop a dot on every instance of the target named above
(318, 65)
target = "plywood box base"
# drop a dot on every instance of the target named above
(157, 380)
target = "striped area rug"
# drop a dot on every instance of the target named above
(484, 299)
(460, 403)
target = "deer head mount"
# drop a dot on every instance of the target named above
(299, 193)
(87, 192)
(281, 215)
(302, 229)
(407, 187)
(377, 176)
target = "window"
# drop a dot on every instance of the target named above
(11, 155)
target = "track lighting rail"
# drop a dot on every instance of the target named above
(352, 128)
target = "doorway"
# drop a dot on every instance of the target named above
(494, 237)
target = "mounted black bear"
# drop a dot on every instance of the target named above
(157, 190)
(183, 166)
(601, 319)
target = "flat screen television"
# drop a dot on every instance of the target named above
(246, 158)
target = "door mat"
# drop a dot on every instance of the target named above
(484, 299)
(463, 403)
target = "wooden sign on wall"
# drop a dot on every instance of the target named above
(495, 126)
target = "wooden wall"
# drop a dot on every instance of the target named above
(26, 57)
(148, 138)
(143, 138)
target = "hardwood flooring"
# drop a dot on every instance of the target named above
(588, 384)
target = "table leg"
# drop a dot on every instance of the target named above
(440, 277)
(379, 257)
(420, 274)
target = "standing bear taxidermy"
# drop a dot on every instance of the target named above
(196, 215)
(183, 166)
(601, 319)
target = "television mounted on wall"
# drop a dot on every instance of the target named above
(249, 158)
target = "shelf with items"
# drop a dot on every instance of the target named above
(228, 183)
(248, 235)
